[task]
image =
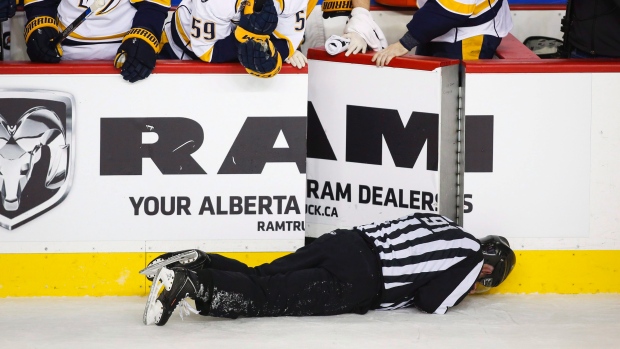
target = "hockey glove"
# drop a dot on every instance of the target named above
(258, 20)
(260, 58)
(39, 33)
(137, 54)
(7, 9)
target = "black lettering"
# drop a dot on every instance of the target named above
(343, 193)
(183, 203)
(376, 195)
(280, 226)
(292, 205)
(250, 204)
(327, 191)
(253, 147)
(390, 197)
(219, 206)
(479, 143)
(147, 207)
(121, 150)
(364, 194)
(427, 201)
(264, 204)
(136, 205)
(368, 127)
(172, 208)
(236, 205)
(414, 198)
(401, 198)
(206, 206)
(312, 188)
(467, 206)
(279, 200)
(261, 226)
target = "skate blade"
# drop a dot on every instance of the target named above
(183, 257)
(152, 309)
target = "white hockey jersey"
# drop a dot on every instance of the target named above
(497, 11)
(99, 36)
(197, 26)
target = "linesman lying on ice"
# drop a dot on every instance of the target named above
(423, 260)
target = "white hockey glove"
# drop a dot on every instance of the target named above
(362, 24)
(297, 60)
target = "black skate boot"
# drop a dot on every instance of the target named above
(177, 284)
(190, 259)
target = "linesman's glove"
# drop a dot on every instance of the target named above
(137, 54)
(260, 58)
(7, 9)
(39, 33)
(258, 20)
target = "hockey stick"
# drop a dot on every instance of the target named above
(155, 267)
(76, 23)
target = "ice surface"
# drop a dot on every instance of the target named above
(491, 321)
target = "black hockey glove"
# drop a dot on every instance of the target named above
(258, 20)
(260, 58)
(7, 9)
(39, 33)
(137, 54)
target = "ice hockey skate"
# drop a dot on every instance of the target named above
(170, 288)
(190, 259)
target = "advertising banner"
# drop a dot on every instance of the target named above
(212, 159)
(381, 141)
(528, 157)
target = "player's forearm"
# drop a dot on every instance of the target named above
(365, 3)
(150, 16)
(282, 47)
(225, 50)
(429, 22)
(41, 8)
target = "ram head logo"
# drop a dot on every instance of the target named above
(20, 150)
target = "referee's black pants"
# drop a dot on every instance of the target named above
(336, 274)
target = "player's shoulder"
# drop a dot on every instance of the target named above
(219, 9)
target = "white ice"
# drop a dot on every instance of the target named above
(491, 321)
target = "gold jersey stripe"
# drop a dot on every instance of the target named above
(311, 6)
(165, 3)
(471, 47)
(74, 35)
(206, 57)
(457, 7)
(289, 43)
(181, 31)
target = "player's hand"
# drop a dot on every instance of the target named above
(260, 58)
(383, 57)
(297, 60)
(39, 33)
(356, 45)
(137, 54)
(7, 9)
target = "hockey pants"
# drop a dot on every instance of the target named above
(336, 274)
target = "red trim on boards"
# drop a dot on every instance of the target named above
(512, 48)
(105, 67)
(544, 66)
(532, 7)
(406, 61)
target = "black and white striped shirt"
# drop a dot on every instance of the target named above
(427, 261)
